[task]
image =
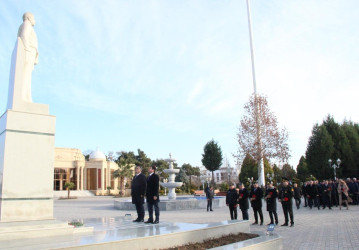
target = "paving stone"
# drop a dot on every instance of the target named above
(313, 228)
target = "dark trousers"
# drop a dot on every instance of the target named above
(305, 201)
(150, 206)
(310, 202)
(233, 212)
(245, 214)
(317, 201)
(354, 196)
(271, 213)
(209, 204)
(326, 201)
(140, 211)
(256, 212)
(287, 209)
(297, 202)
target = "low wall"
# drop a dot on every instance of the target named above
(173, 239)
(267, 242)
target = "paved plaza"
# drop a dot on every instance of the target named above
(323, 229)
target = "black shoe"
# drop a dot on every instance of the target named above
(137, 220)
(211, 210)
(292, 224)
(276, 223)
(156, 222)
(284, 225)
(149, 221)
(270, 224)
(254, 223)
(261, 224)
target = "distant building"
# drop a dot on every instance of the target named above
(94, 175)
(222, 175)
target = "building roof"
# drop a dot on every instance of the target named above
(97, 155)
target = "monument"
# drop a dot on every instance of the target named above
(27, 139)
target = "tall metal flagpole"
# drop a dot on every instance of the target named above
(261, 180)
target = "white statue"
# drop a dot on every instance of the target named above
(28, 37)
(24, 57)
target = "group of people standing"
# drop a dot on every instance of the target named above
(255, 195)
(330, 193)
(148, 187)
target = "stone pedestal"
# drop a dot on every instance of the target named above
(27, 143)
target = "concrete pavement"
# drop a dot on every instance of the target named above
(314, 229)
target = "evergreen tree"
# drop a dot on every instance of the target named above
(248, 169)
(288, 172)
(302, 169)
(342, 148)
(353, 136)
(320, 148)
(212, 157)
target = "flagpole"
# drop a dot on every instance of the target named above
(261, 180)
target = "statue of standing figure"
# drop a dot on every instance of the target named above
(28, 37)
(24, 56)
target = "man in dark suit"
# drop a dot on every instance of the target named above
(243, 201)
(271, 198)
(152, 196)
(286, 194)
(138, 191)
(256, 196)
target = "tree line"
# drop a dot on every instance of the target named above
(331, 140)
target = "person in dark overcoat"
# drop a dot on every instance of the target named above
(209, 197)
(271, 198)
(152, 197)
(256, 196)
(285, 196)
(312, 194)
(232, 201)
(243, 201)
(297, 195)
(327, 195)
(138, 191)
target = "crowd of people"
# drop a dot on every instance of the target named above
(324, 194)
(328, 193)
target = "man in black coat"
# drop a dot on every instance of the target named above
(256, 196)
(297, 195)
(152, 196)
(305, 193)
(232, 201)
(138, 191)
(312, 194)
(271, 198)
(327, 195)
(209, 197)
(286, 194)
(243, 201)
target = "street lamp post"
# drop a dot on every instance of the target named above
(334, 166)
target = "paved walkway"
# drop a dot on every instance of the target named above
(323, 229)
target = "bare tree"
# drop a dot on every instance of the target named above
(266, 141)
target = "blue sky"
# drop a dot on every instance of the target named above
(168, 76)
